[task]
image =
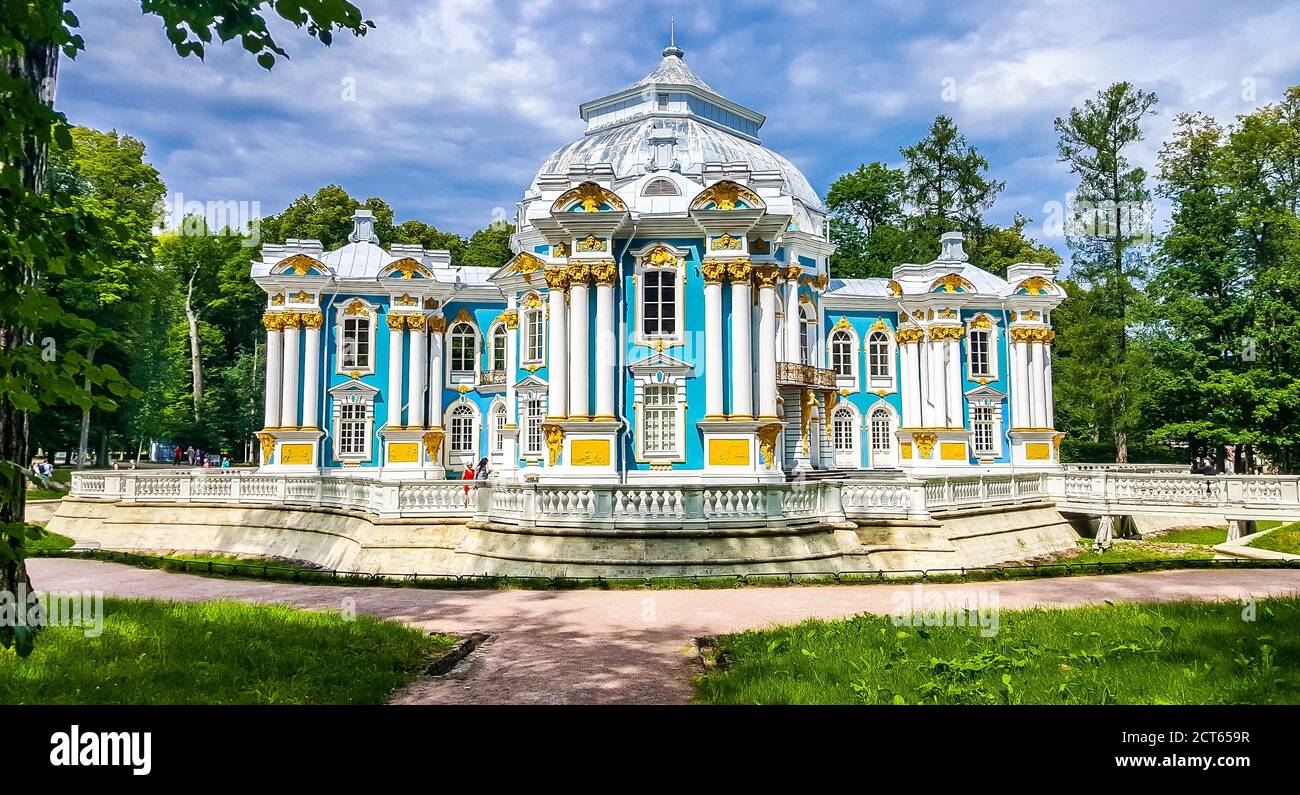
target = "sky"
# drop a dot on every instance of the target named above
(446, 109)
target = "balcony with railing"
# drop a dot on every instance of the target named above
(805, 375)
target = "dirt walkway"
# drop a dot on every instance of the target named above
(568, 647)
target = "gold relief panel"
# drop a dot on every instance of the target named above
(560, 250)
(758, 245)
(726, 242)
(729, 452)
(952, 451)
(404, 453)
(982, 321)
(589, 452)
(296, 454)
(406, 300)
(431, 303)
(1038, 451)
(277, 299)
(593, 243)
(301, 297)
(660, 256)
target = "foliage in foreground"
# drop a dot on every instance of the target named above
(1181, 653)
(156, 652)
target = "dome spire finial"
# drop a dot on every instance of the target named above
(672, 48)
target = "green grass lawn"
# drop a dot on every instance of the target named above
(1207, 536)
(1283, 539)
(156, 652)
(1128, 550)
(1182, 653)
(48, 542)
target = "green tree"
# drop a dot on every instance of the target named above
(489, 247)
(42, 233)
(326, 216)
(947, 179)
(1109, 234)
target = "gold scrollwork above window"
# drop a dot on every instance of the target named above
(301, 265)
(952, 283)
(726, 195)
(589, 198)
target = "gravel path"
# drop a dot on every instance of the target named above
(589, 646)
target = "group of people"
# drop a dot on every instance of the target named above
(1203, 466)
(196, 457)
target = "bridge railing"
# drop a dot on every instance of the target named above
(1227, 492)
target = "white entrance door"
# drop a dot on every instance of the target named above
(884, 447)
(844, 437)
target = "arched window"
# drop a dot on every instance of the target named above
(882, 437)
(460, 433)
(497, 425)
(497, 353)
(878, 355)
(462, 353)
(660, 187)
(842, 353)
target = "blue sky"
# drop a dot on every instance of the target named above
(446, 109)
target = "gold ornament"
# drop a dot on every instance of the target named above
(659, 256)
(433, 442)
(725, 195)
(437, 324)
(591, 196)
(792, 272)
(907, 336)
(925, 443)
(1035, 285)
(758, 245)
(726, 242)
(300, 264)
(277, 299)
(940, 333)
(406, 300)
(395, 322)
(766, 275)
(356, 307)
(767, 443)
(604, 272)
(527, 264)
(557, 278)
(415, 322)
(579, 273)
(739, 270)
(271, 321)
(408, 267)
(554, 441)
(713, 272)
(312, 319)
(560, 250)
(952, 283)
(511, 318)
(593, 243)
(268, 446)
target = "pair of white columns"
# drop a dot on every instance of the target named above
(417, 375)
(570, 340)
(284, 346)
(941, 384)
(740, 274)
(1031, 379)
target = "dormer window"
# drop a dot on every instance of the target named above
(663, 101)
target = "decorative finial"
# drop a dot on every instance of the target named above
(672, 48)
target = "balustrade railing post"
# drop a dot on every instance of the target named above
(236, 489)
(113, 485)
(831, 501)
(187, 486)
(918, 506)
(693, 502)
(530, 512)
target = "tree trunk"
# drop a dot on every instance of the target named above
(83, 444)
(196, 364)
(1121, 446)
(38, 68)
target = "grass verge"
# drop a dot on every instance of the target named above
(1283, 539)
(1178, 653)
(157, 652)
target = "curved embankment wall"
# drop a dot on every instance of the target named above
(356, 542)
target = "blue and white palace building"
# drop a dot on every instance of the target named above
(668, 318)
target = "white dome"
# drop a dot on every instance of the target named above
(673, 120)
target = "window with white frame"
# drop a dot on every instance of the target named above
(880, 364)
(983, 430)
(660, 418)
(462, 354)
(882, 430)
(979, 350)
(659, 302)
(354, 429)
(807, 339)
(534, 416)
(535, 328)
(842, 354)
(461, 431)
(355, 352)
(842, 429)
(498, 425)
(497, 354)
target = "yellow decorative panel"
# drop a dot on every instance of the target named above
(952, 451)
(295, 454)
(404, 453)
(729, 452)
(1038, 451)
(589, 452)
(906, 450)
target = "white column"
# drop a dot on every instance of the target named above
(908, 384)
(1038, 414)
(713, 273)
(1019, 397)
(394, 395)
(557, 341)
(742, 367)
(416, 376)
(437, 325)
(955, 415)
(579, 354)
(792, 317)
(510, 437)
(289, 371)
(938, 387)
(311, 369)
(606, 358)
(1049, 405)
(767, 343)
(274, 354)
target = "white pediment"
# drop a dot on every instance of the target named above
(660, 362)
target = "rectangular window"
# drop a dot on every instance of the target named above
(663, 102)
(356, 343)
(661, 419)
(498, 425)
(462, 434)
(534, 413)
(536, 337)
(352, 429)
(981, 363)
(659, 303)
(982, 429)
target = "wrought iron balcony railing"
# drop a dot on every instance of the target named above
(799, 374)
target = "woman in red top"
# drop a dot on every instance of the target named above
(468, 477)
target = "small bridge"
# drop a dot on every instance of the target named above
(1112, 492)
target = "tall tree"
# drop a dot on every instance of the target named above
(1109, 233)
(947, 179)
(41, 233)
